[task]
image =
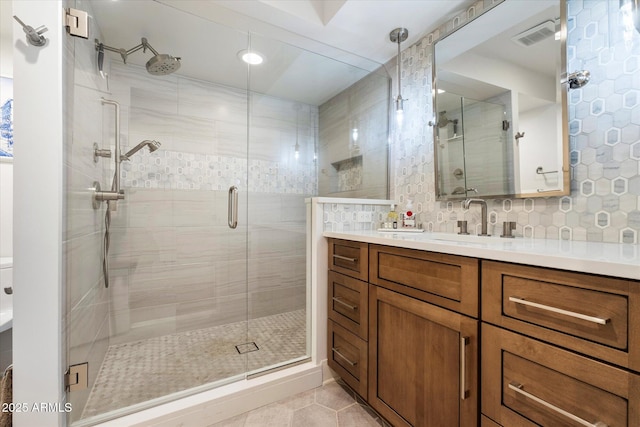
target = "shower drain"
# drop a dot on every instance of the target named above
(247, 347)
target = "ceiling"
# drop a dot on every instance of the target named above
(354, 34)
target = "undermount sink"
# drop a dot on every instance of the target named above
(467, 238)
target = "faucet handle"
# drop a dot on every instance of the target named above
(463, 227)
(507, 228)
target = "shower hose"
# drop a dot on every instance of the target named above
(105, 246)
(107, 239)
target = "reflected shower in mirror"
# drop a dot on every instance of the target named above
(500, 108)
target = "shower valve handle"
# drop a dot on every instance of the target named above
(103, 196)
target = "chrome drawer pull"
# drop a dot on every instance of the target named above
(344, 258)
(464, 393)
(518, 389)
(349, 306)
(336, 351)
(597, 320)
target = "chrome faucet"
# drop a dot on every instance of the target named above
(483, 213)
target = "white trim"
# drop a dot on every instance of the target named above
(227, 401)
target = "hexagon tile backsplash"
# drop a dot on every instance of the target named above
(604, 134)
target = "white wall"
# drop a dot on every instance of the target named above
(38, 367)
(6, 208)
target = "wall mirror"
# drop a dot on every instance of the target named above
(500, 125)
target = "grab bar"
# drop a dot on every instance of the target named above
(232, 212)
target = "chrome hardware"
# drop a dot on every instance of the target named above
(336, 351)
(8, 290)
(115, 188)
(540, 190)
(464, 393)
(77, 377)
(463, 227)
(232, 212)
(458, 173)
(483, 213)
(349, 306)
(100, 152)
(519, 135)
(344, 258)
(580, 316)
(577, 79)
(104, 196)
(518, 389)
(540, 171)
(507, 228)
(77, 22)
(34, 36)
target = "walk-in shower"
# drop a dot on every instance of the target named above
(196, 298)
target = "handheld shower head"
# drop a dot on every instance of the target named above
(153, 146)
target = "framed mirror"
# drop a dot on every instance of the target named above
(500, 125)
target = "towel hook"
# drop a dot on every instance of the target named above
(34, 36)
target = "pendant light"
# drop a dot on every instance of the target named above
(398, 36)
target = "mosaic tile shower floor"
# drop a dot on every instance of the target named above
(139, 371)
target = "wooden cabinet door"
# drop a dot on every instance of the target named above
(422, 362)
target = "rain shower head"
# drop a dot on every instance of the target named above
(160, 64)
(153, 146)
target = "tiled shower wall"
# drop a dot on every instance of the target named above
(176, 265)
(604, 126)
(353, 140)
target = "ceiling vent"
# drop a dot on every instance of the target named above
(536, 34)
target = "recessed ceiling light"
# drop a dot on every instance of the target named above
(251, 57)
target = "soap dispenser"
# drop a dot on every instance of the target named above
(392, 217)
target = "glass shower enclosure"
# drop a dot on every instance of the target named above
(205, 253)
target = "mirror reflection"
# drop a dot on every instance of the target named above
(500, 109)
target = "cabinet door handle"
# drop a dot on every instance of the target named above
(464, 393)
(349, 306)
(344, 258)
(336, 351)
(581, 316)
(518, 389)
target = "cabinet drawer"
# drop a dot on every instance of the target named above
(586, 313)
(449, 281)
(347, 355)
(529, 383)
(349, 258)
(349, 303)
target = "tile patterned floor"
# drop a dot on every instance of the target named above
(333, 404)
(139, 371)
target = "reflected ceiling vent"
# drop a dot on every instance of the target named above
(536, 34)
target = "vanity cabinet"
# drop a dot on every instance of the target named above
(559, 348)
(407, 341)
(432, 339)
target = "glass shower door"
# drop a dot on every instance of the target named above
(173, 320)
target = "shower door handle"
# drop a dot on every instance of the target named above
(233, 207)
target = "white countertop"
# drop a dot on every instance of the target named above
(610, 259)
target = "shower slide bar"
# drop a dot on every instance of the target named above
(115, 193)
